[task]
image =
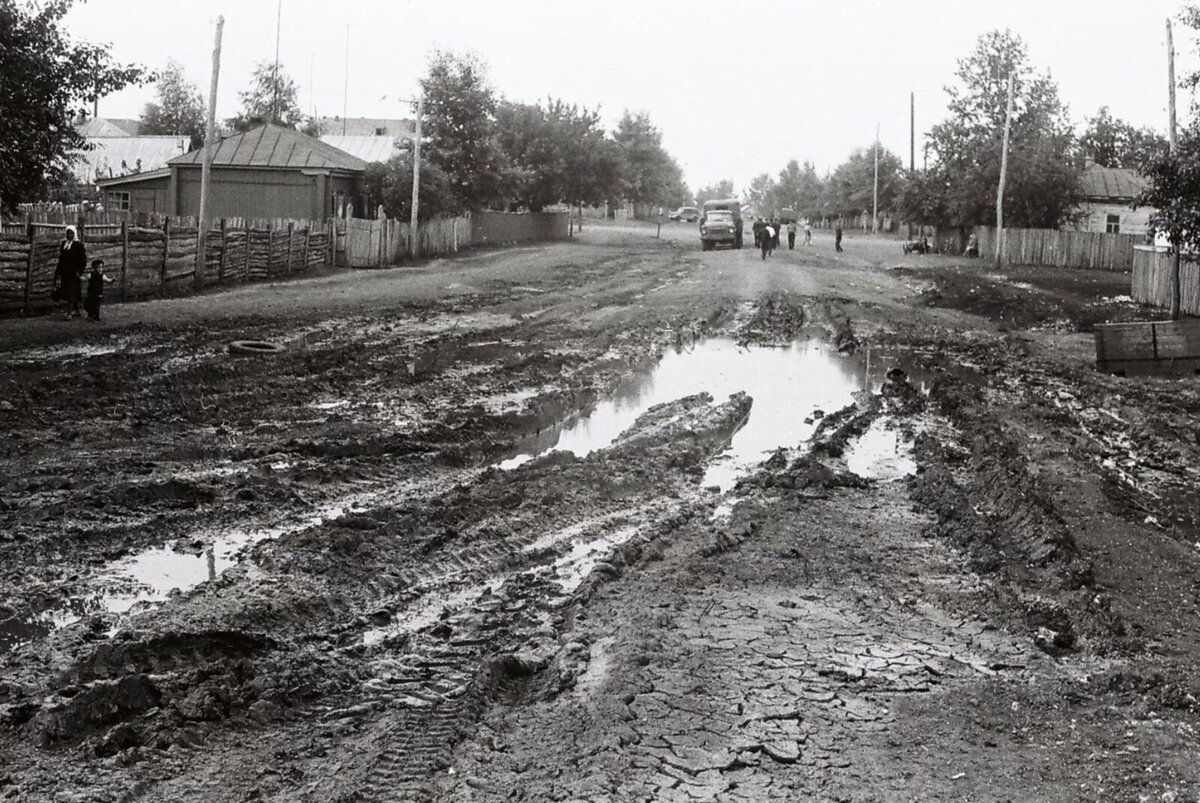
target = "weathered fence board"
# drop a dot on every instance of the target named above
(1152, 279)
(1063, 249)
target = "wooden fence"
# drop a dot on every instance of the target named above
(1063, 249)
(378, 242)
(161, 260)
(1152, 279)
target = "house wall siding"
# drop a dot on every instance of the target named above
(1095, 217)
(251, 193)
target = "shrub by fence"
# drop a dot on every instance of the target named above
(161, 260)
(1152, 279)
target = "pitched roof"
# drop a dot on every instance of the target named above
(1111, 183)
(275, 146)
(134, 178)
(366, 126)
(109, 127)
(118, 156)
(369, 149)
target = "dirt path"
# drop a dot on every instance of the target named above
(831, 527)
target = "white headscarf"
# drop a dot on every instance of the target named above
(73, 230)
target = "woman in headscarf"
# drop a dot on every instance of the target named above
(72, 262)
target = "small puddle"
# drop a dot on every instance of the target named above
(882, 453)
(787, 385)
(150, 577)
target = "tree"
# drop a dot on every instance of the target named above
(47, 80)
(649, 176)
(1043, 168)
(390, 184)
(271, 98)
(851, 189)
(460, 130)
(722, 189)
(798, 188)
(1115, 143)
(759, 194)
(556, 153)
(180, 107)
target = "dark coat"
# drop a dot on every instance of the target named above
(72, 262)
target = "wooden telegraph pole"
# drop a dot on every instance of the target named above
(875, 198)
(1003, 173)
(210, 136)
(413, 231)
(1175, 292)
(912, 145)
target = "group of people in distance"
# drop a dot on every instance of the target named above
(69, 276)
(766, 235)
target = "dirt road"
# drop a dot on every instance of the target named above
(606, 520)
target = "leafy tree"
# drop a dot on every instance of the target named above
(180, 107)
(713, 192)
(47, 80)
(759, 194)
(851, 188)
(271, 98)
(390, 184)
(1043, 169)
(649, 176)
(556, 153)
(923, 197)
(1112, 142)
(460, 128)
(798, 188)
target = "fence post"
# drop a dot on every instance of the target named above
(80, 224)
(29, 269)
(124, 256)
(307, 241)
(221, 263)
(291, 231)
(162, 273)
(246, 275)
(270, 245)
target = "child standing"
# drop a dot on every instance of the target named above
(95, 290)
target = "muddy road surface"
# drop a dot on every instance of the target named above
(604, 520)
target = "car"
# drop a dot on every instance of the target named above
(716, 233)
(687, 214)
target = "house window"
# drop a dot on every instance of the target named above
(116, 200)
(379, 132)
(1112, 224)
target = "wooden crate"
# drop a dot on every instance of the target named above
(1150, 347)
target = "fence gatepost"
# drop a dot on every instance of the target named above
(221, 263)
(162, 273)
(124, 256)
(307, 241)
(29, 230)
(291, 232)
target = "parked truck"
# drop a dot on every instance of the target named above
(721, 223)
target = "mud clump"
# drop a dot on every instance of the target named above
(101, 704)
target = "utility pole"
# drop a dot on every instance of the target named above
(912, 144)
(1175, 291)
(875, 201)
(1003, 173)
(210, 136)
(275, 93)
(413, 240)
(346, 85)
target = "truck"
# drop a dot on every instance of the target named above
(721, 222)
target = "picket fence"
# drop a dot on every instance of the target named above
(379, 242)
(1152, 279)
(161, 260)
(1063, 249)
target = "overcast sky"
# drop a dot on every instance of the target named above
(736, 88)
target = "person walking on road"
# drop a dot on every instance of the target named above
(68, 276)
(95, 290)
(837, 239)
(791, 229)
(758, 230)
(768, 240)
(807, 233)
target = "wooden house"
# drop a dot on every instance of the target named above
(267, 172)
(1107, 195)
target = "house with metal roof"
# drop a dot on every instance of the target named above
(1107, 195)
(368, 148)
(266, 172)
(110, 157)
(367, 127)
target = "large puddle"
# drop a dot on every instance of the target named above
(791, 387)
